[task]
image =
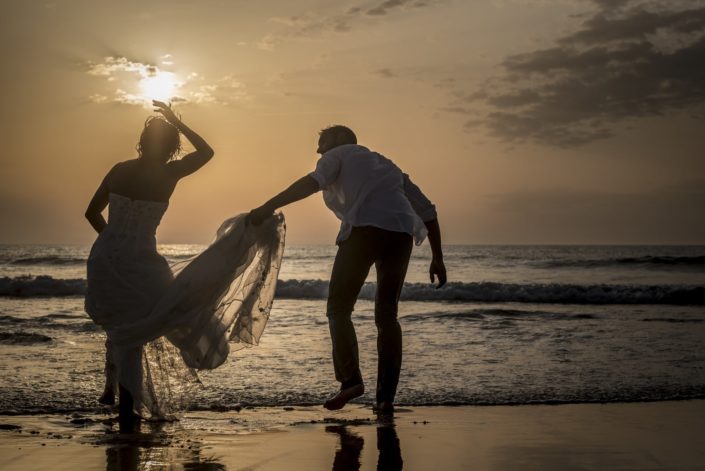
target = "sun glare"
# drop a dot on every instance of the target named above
(160, 85)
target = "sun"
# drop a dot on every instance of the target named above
(159, 85)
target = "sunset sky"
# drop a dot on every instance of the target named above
(526, 122)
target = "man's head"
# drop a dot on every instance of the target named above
(334, 136)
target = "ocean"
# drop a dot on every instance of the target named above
(514, 325)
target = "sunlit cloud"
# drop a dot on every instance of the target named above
(98, 98)
(628, 60)
(314, 23)
(267, 42)
(386, 6)
(386, 73)
(112, 65)
(137, 84)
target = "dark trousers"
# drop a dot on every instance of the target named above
(389, 252)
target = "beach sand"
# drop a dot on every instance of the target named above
(633, 436)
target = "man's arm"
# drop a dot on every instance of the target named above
(437, 267)
(300, 189)
(427, 212)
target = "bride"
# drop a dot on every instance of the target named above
(162, 325)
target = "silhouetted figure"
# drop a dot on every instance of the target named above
(389, 449)
(381, 211)
(124, 457)
(155, 447)
(126, 275)
(347, 457)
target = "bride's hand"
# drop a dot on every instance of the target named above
(166, 111)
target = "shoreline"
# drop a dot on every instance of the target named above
(639, 435)
(106, 410)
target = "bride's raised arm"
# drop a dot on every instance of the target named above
(190, 162)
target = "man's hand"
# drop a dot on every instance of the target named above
(300, 189)
(258, 215)
(438, 269)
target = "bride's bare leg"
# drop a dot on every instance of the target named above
(108, 396)
(127, 419)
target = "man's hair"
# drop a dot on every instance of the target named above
(340, 134)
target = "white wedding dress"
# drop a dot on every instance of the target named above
(162, 325)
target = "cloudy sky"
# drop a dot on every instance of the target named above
(566, 121)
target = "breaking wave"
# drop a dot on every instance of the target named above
(511, 292)
(48, 260)
(556, 293)
(693, 262)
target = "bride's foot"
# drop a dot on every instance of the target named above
(344, 396)
(108, 397)
(129, 423)
(127, 419)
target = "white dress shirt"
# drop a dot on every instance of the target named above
(364, 188)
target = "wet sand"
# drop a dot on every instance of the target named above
(636, 436)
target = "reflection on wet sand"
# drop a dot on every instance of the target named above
(347, 457)
(164, 445)
(131, 457)
(155, 449)
(389, 448)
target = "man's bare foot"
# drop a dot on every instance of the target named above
(383, 407)
(108, 397)
(344, 396)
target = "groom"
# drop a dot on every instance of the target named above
(381, 210)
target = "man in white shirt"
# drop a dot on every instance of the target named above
(381, 212)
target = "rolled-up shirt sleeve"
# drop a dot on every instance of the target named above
(327, 168)
(419, 202)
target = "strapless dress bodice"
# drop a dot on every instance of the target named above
(131, 217)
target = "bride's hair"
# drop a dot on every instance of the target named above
(157, 131)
